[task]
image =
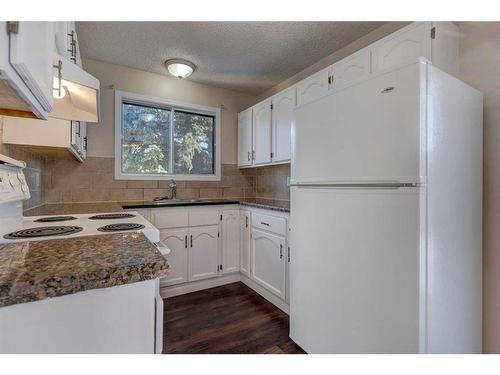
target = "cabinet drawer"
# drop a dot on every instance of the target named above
(170, 218)
(199, 217)
(270, 223)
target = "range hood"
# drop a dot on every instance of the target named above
(80, 99)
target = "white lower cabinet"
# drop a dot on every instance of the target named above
(230, 241)
(203, 252)
(268, 254)
(245, 236)
(213, 246)
(177, 241)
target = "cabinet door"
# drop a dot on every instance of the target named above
(313, 87)
(177, 241)
(77, 139)
(245, 243)
(283, 117)
(350, 70)
(262, 133)
(203, 252)
(83, 139)
(230, 241)
(67, 41)
(269, 261)
(403, 47)
(245, 138)
(31, 56)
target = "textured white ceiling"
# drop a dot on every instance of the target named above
(244, 56)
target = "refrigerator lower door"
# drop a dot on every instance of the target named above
(354, 270)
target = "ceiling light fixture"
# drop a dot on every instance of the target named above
(180, 68)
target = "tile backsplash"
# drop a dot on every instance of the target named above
(93, 181)
(33, 172)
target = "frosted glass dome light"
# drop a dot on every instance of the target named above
(180, 68)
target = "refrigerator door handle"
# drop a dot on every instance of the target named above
(367, 185)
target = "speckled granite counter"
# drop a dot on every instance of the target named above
(36, 270)
(88, 208)
(268, 204)
(73, 208)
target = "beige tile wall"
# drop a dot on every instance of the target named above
(271, 182)
(33, 171)
(93, 181)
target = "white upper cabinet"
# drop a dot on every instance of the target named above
(262, 133)
(435, 41)
(283, 106)
(350, 70)
(245, 138)
(67, 42)
(52, 135)
(230, 241)
(31, 49)
(203, 252)
(313, 87)
(403, 47)
(26, 67)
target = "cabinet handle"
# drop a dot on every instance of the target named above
(248, 156)
(288, 254)
(73, 46)
(253, 154)
(191, 240)
(266, 224)
(186, 241)
(281, 251)
(246, 221)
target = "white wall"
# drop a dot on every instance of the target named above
(101, 136)
(480, 68)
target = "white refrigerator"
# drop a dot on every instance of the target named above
(386, 217)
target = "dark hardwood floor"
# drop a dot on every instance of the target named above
(227, 319)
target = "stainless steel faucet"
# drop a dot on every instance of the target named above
(173, 189)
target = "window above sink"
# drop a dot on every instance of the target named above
(158, 139)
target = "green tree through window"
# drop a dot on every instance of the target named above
(166, 141)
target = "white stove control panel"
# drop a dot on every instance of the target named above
(13, 186)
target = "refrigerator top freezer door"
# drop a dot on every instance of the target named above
(373, 131)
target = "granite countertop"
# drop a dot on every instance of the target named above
(268, 204)
(98, 207)
(73, 208)
(35, 270)
(177, 203)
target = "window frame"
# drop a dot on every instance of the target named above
(153, 101)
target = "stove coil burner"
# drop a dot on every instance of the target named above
(54, 218)
(42, 232)
(120, 227)
(111, 216)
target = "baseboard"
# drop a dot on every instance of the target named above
(177, 290)
(276, 301)
(194, 286)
